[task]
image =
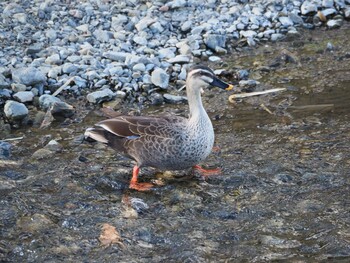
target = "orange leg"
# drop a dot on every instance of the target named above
(136, 185)
(205, 173)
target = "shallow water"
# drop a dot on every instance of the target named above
(283, 193)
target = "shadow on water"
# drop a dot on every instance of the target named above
(283, 194)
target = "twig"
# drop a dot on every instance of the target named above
(63, 86)
(13, 139)
(265, 108)
(250, 94)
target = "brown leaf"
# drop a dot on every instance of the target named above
(110, 236)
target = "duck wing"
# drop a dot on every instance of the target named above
(123, 131)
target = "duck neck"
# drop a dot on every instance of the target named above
(197, 110)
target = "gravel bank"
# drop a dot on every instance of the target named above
(132, 50)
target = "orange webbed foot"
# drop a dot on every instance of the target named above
(205, 173)
(141, 186)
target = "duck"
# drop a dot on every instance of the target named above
(164, 142)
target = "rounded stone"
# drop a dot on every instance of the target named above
(15, 110)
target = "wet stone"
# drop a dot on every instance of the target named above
(5, 150)
(42, 154)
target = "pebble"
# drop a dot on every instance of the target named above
(24, 96)
(174, 98)
(15, 110)
(5, 150)
(46, 101)
(334, 23)
(28, 76)
(213, 41)
(160, 78)
(100, 96)
(3, 82)
(180, 59)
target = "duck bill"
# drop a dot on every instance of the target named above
(221, 84)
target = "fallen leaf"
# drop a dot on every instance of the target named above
(110, 236)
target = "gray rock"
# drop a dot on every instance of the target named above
(142, 41)
(3, 82)
(100, 96)
(180, 59)
(15, 110)
(248, 83)
(115, 56)
(46, 101)
(5, 150)
(286, 21)
(248, 33)
(167, 52)
(156, 28)
(34, 49)
(334, 23)
(296, 18)
(327, 3)
(186, 26)
(69, 68)
(214, 59)
(347, 12)
(276, 36)
(103, 35)
(308, 7)
(144, 23)
(139, 67)
(53, 59)
(5, 93)
(61, 109)
(54, 72)
(156, 99)
(160, 78)
(213, 41)
(174, 98)
(28, 76)
(24, 96)
(16, 87)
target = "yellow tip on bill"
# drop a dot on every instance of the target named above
(230, 86)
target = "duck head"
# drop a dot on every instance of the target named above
(200, 77)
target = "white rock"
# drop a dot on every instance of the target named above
(180, 59)
(28, 76)
(139, 67)
(214, 59)
(100, 96)
(308, 7)
(144, 23)
(53, 59)
(248, 33)
(167, 52)
(286, 21)
(24, 96)
(160, 78)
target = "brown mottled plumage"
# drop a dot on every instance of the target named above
(164, 142)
